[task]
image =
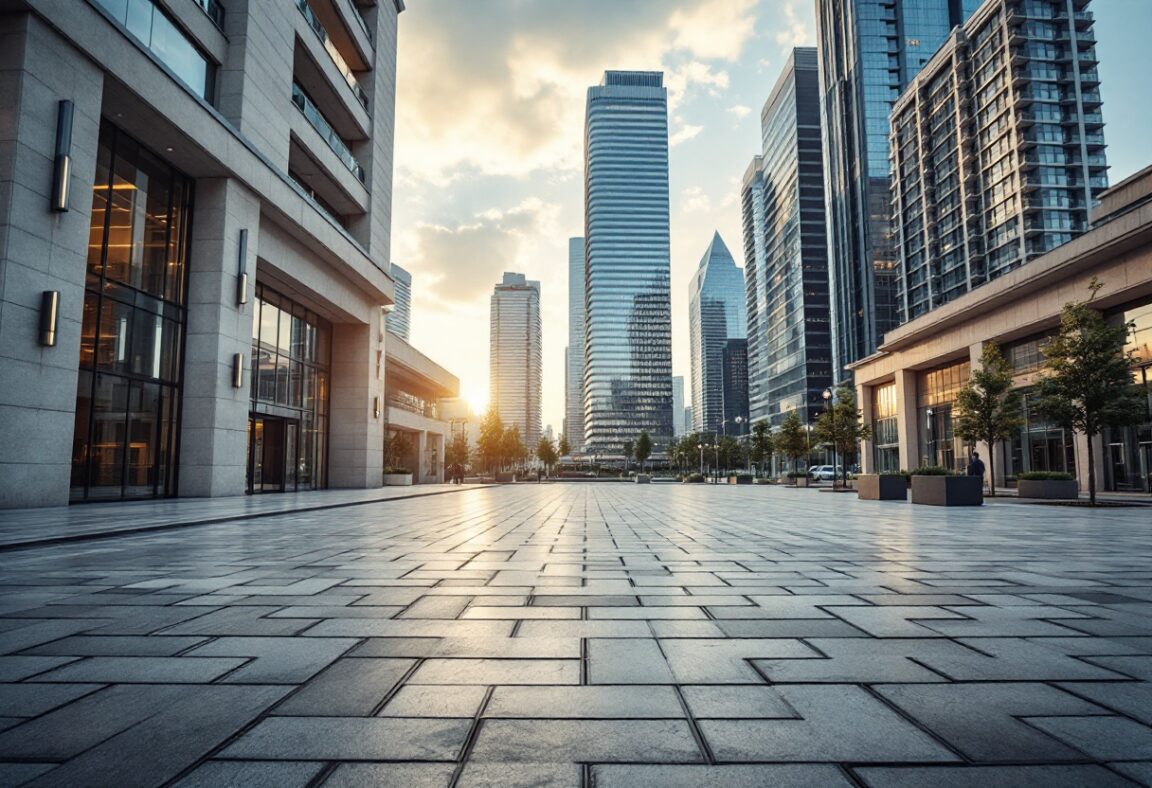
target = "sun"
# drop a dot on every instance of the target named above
(477, 398)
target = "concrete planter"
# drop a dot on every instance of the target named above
(739, 479)
(874, 487)
(802, 481)
(505, 477)
(948, 490)
(397, 480)
(643, 478)
(1051, 489)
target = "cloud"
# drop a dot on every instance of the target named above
(717, 29)
(795, 32)
(686, 132)
(694, 200)
(739, 111)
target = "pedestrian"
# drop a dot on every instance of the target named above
(976, 465)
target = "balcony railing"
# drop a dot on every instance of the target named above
(330, 47)
(214, 10)
(320, 123)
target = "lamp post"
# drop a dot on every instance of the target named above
(828, 405)
(740, 437)
(700, 446)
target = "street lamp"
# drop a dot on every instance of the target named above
(827, 403)
(700, 446)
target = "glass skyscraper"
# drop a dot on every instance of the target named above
(786, 252)
(869, 51)
(628, 323)
(514, 362)
(574, 355)
(716, 314)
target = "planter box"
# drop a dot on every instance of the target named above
(739, 479)
(1052, 489)
(874, 487)
(643, 478)
(505, 478)
(802, 481)
(397, 480)
(948, 490)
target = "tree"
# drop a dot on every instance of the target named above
(1089, 385)
(792, 439)
(839, 426)
(643, 449)
(564, 448)
(512, 448)
(491, 443)
(727, 453)
(760, 448)
(546, 453)
(458, 451)
(987, 407)
(628, 451)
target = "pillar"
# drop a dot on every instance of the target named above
(909, 421)
(864, 402)
(356, 432)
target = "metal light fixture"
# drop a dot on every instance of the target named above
(62, 162)
(49, 314)
(376, 407)
(242, 270)
(237, 370)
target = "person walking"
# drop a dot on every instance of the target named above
(976, 466)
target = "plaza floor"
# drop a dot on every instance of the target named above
(602, 635)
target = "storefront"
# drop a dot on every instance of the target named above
(128, 389)
(1128, 460)
(288, 423)
(936, 391)
(1038, 446)
(885, 429)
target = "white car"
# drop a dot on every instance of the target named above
(825, 472)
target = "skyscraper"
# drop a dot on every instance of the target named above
(574, 355)
(869, 51)
(786, 252)
(628, 323)
(716, 313)
(734, 387)
(1017, 178)
(678, 427)
(399, 320)
(514, 360)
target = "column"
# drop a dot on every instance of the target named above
(864, 402)
(214, 419)
(355, 457)
(41, 250)
(419, 473)
(976, 358)
(909, 421)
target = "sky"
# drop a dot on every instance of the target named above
(489, 144)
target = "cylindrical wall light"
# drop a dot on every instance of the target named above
(376, 408)
(49, 314)
(238, 370)
(62, 163)
(242, 270)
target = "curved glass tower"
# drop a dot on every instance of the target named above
(628, 342)
(716, 314)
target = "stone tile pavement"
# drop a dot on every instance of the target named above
(580, 635)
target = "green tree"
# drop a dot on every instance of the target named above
(728, 453)
(839, 426)
(1089, 385)
(564, 447)
(987, 407)
(397, 450)
(491, 442)
(458, 451)
(761, 448)
(512, 448)
(792, 439)
(546, 453)
(629, 448)
(643, 449)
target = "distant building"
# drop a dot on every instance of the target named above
(515, 355)
(1018, 174)
(716, 313)
(574, 353)
(399, 320)
(734, 388)
(678, 428)
(628, 343)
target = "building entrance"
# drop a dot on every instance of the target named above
(274, 461)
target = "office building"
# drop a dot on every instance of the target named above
(196, 246)
(997, 149)
(678, 406)
(786, 252)
(734, 388)
(399, 320)
(514, 361)
(574, 354)
(421, 402)
(716, 313)
(907, 390)
(628, 342)
(869, 51)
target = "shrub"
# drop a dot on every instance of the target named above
(1045, 476)
(931, 470)
(694, 478)
(798, 475)
(901, 474)
(396, 470)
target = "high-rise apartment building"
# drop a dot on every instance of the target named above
(574, 355)
(869, 51)
(197, 210)
(734, 387)
(678, 428)
(997, 149)
(786, 252)
(399, 320)
(514, 361)
(628, 342)
(716, 313)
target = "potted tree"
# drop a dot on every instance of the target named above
(760, 448)
(1089, 382)
(546, 453)
(988, 408)
(514, 453)
(839, 426)
(935, 486)
(792, 442)
(395, 472)
(1049, 485)
(643, 451)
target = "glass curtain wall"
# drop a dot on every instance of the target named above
(1039, 446)
(128, 390)
(936, 391)
(1128, 460)
(885, 429)
(288, 426)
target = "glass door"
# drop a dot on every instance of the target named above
(273, 454)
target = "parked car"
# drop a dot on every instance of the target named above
(825, 472)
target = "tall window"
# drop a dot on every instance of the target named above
(885, 428)
(128, 391)
(936, 390)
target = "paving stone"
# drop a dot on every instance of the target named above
(603, 741)
(600, 702)
(253, 774)
(534, 612)
(21, 773)
(497, 671)
(144, 670)
(793, 776)
(19, 668)
(1104, 738)
(382, 628)
(627, 661)
(347, 688)
(117, 645)
(990, 777)
(433, 607)
(32, 700)
(737, 702)
(430, 700)
(520, 775)
(351, 739)
(1140, 771)
(24, 637)
(1129, 698)
(726, 661)
(391, 775)
(501, 647)
(275, 660)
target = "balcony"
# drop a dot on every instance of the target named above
(330, 47)
(317, 120)
(214, 10)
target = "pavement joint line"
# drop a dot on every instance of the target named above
(93, 535)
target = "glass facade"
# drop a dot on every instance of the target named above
(128, 390)
(1128, 460)
(785, 246)
(1039, 446)
(869, 51)
(936, 390)
(628, 340)
(288, 424)
(716, 314)
(885, 428)
(574, 369)
(515, 356)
